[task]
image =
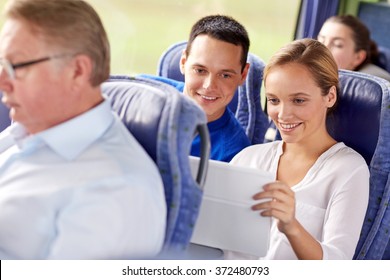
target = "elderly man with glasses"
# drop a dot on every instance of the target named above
(74, 184)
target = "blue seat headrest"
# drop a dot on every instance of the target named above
(127, 100)
(356, 118)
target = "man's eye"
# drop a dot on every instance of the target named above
(226, 76)
(199, 70)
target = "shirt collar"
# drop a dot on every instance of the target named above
(14, 134)
(71, 138)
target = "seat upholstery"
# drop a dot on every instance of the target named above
(356, 119)
(362, 121)
(5, 120)
(165, 122)
(246, 103)
(384, 58)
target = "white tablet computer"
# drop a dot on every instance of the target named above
(226, 220)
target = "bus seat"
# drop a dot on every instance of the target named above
(356, 120)
(246, 103)
(384, 58)
(362, 121)
(5, 120)
(165, 123)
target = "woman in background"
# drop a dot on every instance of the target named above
(349, 41)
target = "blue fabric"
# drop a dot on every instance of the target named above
(179, 85)
(249, 112)
(362, 120)
(358, 109)
(384, 58)
(164, 122)
(376, 17)
(246, 103)
(5, 120)
(168, 65)
(375, 236)
(227, 136)
(313, 14)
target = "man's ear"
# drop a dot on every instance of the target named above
(81, 69)
(244, 73)
(360, 56)
(183, 60)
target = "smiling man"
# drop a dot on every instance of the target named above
(214, 66)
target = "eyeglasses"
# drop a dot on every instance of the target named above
(10, 68)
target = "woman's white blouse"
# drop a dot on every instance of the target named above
(331, 200)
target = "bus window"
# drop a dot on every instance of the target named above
(141, 30)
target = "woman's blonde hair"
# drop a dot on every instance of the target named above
(314, 56)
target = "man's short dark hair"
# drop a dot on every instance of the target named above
(223, 28)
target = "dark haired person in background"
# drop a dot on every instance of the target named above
(349, 41)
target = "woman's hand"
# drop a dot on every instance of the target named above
(280, 204)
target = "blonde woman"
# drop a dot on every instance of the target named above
(320, 194)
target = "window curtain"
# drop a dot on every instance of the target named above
(312, 15)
